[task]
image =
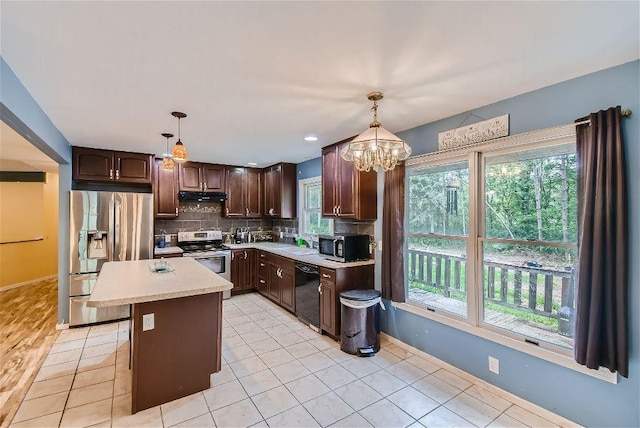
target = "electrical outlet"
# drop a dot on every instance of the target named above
(494, 365)
(148, 322)
(380, 246)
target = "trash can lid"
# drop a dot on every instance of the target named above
(360, 295)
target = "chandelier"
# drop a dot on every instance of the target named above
(179, 152)
(376, 147)
(167, 161)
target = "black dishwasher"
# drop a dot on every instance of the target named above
(307, 294)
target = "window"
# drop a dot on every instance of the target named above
(491, 238)
(310, 206)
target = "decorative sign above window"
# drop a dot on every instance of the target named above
(476, 133)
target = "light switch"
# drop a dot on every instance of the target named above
(148, 322)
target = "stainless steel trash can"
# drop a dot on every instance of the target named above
(360, 322)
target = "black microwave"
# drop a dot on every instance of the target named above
(344, 247)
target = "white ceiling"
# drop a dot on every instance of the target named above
(255, 77)
(18, 154)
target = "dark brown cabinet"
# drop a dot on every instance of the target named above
(243, 270)
(346, 192)
(201, 177)
(276, 279)
(244, 192)
(165, 191)
(332, 283)
(263, 267)
(280, 191)
(101, 166)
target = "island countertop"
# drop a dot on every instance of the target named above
(129, 282)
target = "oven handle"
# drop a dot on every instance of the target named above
(221, 256)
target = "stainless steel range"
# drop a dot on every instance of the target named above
(206, 247)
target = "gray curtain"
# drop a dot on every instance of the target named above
(393, 235)
(601, 333)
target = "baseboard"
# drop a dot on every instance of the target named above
(541, 411)
(30, 282)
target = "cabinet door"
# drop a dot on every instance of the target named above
(250, 269)
(92, 164)
(274, 283)
(328, 307)
(329, 175)
(165, 191)
(212, 177)
(253, 192)
(235, 206)
(238, 270)
(269, 190)
(346, 188)
(133, 167)
(190, 177)
(288, 289)
(288, 179)
(274, 191)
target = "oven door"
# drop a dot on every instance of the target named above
(220, 263)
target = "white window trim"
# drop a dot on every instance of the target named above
(301, 202)
(472, 322)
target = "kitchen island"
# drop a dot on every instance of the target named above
(176, 325)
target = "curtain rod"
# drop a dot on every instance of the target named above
(624, 113)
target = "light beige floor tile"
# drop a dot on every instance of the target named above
(223, 376)
(99, 330)
(255, 336)
(72, 334)
(384, 358)
(246, 327)
(62, 357)
(259, 316)
(443, 417)
(384, 382)
(528, 418)
(288, 339)
(335, 376)
(302, 349)
(183, 409)
(96, 362)
(102, 339)
(30, 409)
(121, 406)
(57, 370)
(504, 421)
(147, 418)
(472, 409)
(264, 346)
(90, 394)
(122, 385)
(241, 414)
(94, 376)
(297, 417)
(406, 372)
(269, 322)
(51, 420)
(105, 348)
(384, 413)
(274, 401)
(202, 421)
(452, 379)
(488, 397)
(354, 420)
(225, 394)
(413, 402)
(398, 351)
(338, 356)
(307, 388)
(305, 333)
(323, 343)
(328, 409)
(290, 371)
(89, 414)
(247, 366)
(425, 365)
(257, 383)
(277, 357)
(436, 389)
(360, 367)
(416, 424)
(232, 342)
(316, 362)
(67, 346)
(358, 394)
(232, 355)
(49, 387)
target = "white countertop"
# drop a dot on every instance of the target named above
(128, 282)
(167, 250)
(306, 255)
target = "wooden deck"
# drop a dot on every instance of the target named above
(493, 318)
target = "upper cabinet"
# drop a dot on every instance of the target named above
(96, 165)
(280, 191)
(165, 190)
(347, 192)
(244, 192)
(201, 177)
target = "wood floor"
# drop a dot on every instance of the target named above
(28, 317)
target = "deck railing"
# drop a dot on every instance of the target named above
(508, 285)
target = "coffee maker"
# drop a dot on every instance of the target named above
(238, 236)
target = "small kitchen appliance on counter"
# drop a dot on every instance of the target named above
(206, 247)
(344, 247)
(104, 227)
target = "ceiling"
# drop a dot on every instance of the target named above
(18, 154)
(256, 77)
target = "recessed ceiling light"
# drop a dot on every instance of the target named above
(252, 164)
(310, 138)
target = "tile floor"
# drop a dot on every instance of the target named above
(276, 372)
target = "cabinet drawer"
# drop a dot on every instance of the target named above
(263, 268)
(327, 275)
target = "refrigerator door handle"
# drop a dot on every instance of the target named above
(115, 220)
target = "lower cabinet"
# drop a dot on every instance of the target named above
(243, 270)
(276, 279)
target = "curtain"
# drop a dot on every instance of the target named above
(601, 332)
(393, 235)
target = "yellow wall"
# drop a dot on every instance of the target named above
(26, 261)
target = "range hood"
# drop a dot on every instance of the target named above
(202, 196)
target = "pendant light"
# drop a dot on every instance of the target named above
(167, 161)
(376, 147)
(179, 152)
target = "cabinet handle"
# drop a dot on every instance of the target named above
(117, 174)
(320, 288)
(245, 255)
(204, 186)
(262, 264)
(262, 281)
(335, 209)
(261, 255)
(226, 211)
(176, 210)
(233, 256)
(110, 174)
(338, 210)
(247, 210)
(324, 275)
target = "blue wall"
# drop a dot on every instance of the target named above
(310, 168)
(581, 398)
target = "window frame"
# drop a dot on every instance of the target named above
(302, 199)
(473, 323)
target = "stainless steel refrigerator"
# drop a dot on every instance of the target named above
(104, 227)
